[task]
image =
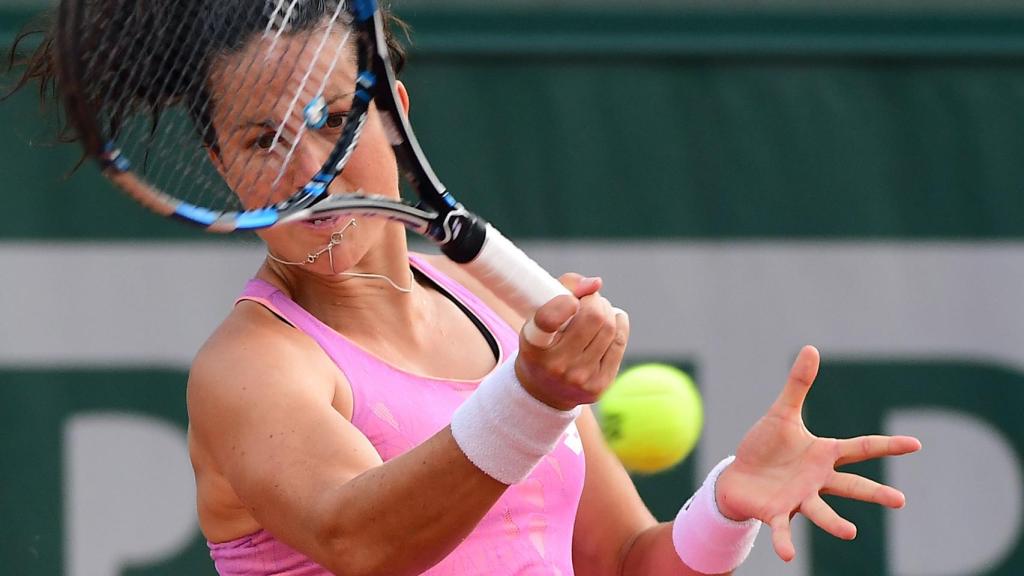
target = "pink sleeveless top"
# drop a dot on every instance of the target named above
(527, 532)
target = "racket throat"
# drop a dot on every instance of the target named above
(463, 237)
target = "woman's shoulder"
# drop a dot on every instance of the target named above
(460, 275)
(250, 329)
(255, 351)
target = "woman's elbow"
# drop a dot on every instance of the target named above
(348, 550)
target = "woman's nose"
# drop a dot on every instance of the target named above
(309, 156)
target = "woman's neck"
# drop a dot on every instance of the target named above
(364, 307)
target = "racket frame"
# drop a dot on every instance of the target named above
(461, 235)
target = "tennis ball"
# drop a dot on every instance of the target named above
(651, 417)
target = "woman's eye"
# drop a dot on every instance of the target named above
(336, 120)
(266, 141)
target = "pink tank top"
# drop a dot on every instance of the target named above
(528, 531)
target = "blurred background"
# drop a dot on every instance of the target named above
(747, 175)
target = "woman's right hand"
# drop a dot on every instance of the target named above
(584, 358)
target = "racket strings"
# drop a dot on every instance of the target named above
(101, 28)
(110, 71)
(310, 96)
(273, 64)
(271, 164)
(251, 71)
(274, 162)
(165, 84)
(148, 71)
(130, 88)
(210, 189)
(279, 21)
(214, 192)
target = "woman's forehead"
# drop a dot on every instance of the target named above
(317, 57)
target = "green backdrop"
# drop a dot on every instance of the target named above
(607, 125)
(773, 125)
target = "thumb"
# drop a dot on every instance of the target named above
(580, 285)
(791, 400)
(540, 330)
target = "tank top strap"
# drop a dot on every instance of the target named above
(340, 349)
(507, 336)
(345, 352)
(271, 298)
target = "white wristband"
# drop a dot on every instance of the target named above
(505, 431)
(707, 541)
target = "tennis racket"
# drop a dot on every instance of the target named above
(148, 86)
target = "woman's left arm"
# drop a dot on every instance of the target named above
(780, 469)
(616, 535)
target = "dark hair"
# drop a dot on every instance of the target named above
(223, 26)
(40, 66)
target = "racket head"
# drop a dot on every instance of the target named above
(227, 115)
(162, 91)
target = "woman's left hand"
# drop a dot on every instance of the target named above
(781, 468)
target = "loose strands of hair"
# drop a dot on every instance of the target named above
(148, 56)
(39, 68)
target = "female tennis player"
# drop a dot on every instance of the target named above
(364, 410)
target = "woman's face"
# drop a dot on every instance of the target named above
(266, 152)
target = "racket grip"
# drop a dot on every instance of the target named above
(515, 278)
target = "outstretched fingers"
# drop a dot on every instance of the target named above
(801, 376)
(782, 537)
(818, 511)
(857, 487)
(852, 450)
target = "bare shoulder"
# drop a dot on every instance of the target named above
(262, 391)
(254, 357)
(481, 291)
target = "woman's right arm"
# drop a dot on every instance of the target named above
(309, 477)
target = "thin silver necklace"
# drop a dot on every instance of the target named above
(336, 239)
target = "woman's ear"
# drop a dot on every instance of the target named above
(403, 96)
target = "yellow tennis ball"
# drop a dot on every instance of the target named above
(651, 417)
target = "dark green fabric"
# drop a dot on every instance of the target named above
(597, 126)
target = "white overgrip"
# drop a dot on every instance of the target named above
(515, 278)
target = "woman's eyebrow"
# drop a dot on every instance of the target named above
(267, 123)
(336, 97)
